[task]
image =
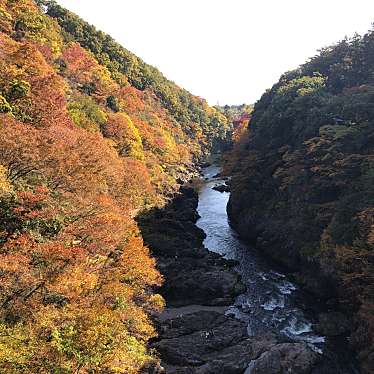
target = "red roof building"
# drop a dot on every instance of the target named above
(240, 120)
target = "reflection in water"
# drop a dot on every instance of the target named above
(270, 304)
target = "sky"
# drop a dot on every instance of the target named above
(226, 51)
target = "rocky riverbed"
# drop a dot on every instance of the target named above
(197, 332)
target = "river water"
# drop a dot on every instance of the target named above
(272, 302)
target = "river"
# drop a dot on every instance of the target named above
(272, 302)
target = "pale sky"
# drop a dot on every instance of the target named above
(226, 51)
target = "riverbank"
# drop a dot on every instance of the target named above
(197, 334)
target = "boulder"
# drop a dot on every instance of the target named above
(208, 343)
(203, 280)
(221, 188)
(284, 358)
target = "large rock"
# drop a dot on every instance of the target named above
(207, 342)
(284, 358)
(221, 187)
(205, 280)
(333, 324)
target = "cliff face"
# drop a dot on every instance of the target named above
(303, 177)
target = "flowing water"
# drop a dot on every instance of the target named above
(272, 302)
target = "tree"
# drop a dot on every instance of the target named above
(121, 129)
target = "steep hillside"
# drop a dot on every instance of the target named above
(200, 122)
(303, 185)
(90, 136)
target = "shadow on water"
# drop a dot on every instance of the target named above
(272, 302)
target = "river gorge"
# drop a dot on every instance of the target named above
(272, 303)
(229, 309)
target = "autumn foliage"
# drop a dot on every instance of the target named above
(83, 150)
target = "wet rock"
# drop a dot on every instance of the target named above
(192, 274)
(213, 343)
(284, 358)
(202, 280)
(200, 342)
(221, 188)
(208, 342)
(333, 324)
(232, 263)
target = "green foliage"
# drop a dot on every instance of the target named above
(87, 114)
(112, 103)
(16, 349)
(336, 132)
(346, 64)
(5, 107)
(232, 112)
(18, 89)
(124, 133)
(32, 25)
(302, 86)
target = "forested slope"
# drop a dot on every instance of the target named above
(303, 185)
(197, 119)
(90, 135)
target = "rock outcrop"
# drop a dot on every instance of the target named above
(193, 275)
(222, 187)
(284, 358)
(212, 343)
